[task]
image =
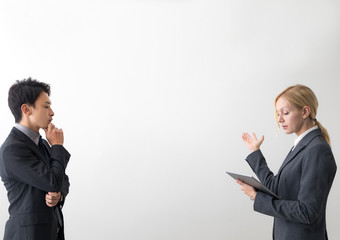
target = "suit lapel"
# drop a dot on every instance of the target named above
(291, 155)
(301, 145)
(36, 150)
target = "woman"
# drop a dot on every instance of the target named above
(306, 175)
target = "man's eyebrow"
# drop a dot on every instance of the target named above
(47, 102)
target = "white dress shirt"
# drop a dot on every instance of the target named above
(298, 139)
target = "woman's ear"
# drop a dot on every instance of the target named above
(26, 109)
(305, 112)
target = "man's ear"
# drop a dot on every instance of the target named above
(26, 109)
(305, 112)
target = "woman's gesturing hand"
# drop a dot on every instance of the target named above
(252, 142)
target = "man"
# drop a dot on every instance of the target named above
(32, 169)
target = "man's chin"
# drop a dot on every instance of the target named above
(44, 127)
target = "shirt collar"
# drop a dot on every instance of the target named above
(298, 139)
(28, 132)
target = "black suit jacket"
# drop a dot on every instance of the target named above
(302, 184)
(28, 177)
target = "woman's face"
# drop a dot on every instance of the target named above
(290, 117)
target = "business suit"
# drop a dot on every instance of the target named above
(302, 183)
(27, 177)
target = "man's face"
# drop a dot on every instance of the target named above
(41, 113)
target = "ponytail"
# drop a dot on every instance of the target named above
(323, 131)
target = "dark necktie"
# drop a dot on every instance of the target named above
(43, 150)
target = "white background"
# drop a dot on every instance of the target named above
(153, 96)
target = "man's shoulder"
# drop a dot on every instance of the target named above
(15, 139)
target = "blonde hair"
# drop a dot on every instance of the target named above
(302, 96)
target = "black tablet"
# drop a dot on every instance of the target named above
(252, 182)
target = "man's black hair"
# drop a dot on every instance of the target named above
(25, 91)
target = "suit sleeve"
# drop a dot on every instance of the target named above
(66, 186)
(259, 166)
(23, 165)
(317, 174)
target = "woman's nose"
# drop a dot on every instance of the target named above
(280, 119)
